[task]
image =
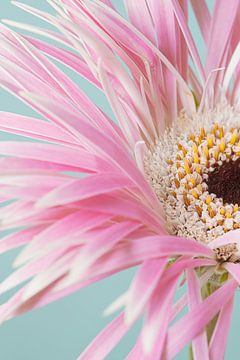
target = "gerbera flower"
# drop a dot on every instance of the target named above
(161, 186)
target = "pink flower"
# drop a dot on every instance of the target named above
(161, 186)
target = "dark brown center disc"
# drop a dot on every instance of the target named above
(224, 181)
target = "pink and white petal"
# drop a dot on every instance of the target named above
(234, 270)
(165, 25)
(29, 270)
(220, 335)
(116, 305)
(78, 158)
(98, 245)
(224, 13)
(188, 38)
(19, 238)
(9, 165)
(106, 340)
(230, 237)
(67, 58)
(89, 186)
(49, 275)
(192, 324)
(132, 39)
(155, 326)
(142, 287)
(140, 16)
(57, 234)
(199, 343)
(137, 352)
(96, 141)
(38, 65)
(203, 17)
(34, 128)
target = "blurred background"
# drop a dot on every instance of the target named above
(61, 330)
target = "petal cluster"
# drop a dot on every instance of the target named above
(76, 195)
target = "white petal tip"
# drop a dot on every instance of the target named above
(129, 317)
(41, 204)
(147, 342)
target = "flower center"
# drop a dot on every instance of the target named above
(224, 181)
(194, 170)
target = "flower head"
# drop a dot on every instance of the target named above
(161, 184)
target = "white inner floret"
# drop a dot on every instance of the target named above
(178, 168)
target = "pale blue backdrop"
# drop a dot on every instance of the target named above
(61, 330)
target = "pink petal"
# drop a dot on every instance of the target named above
(144, 283)
(194, 322)
(199, 343)
(51, 153)
(76, 190)
(34, 128)
(224, 13)
(220, 334)
(158, 317)
(19, 238)
(106, 340)
(203, 17)
(67, 58)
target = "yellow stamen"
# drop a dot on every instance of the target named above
(203, 133)
(198, 169)
(187, 167)
(211, 211)
(192, 181)
(186, 200)
(199, 210)
(208, 199)
(195, 159)
(222, 210)
(195, 194)
(191, 137)
(221, 132)
(195, 148)
(210, 141)
(235, 208)
(180, 175)
(214, 128)
(182, 148)
(216, 154)
(206, 152)
(233, 138)
(170, 162)
(177, 183)
(184, 151)
(222, 145)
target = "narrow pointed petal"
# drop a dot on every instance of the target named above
(142, 287)
(199, 343)
(194, 322)
(106, 340)
(224, 13)
(220, 334)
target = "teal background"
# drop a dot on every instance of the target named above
(63, 329)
